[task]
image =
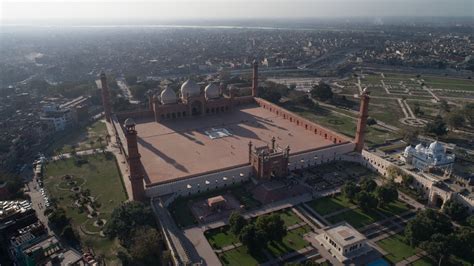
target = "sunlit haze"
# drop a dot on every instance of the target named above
(128, 10)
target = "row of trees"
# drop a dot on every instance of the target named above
(256, 235)
(134, 226)
(433, 232)
(368, 195)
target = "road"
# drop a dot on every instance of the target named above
(126, 91)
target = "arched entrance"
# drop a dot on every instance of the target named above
(438, 201)
(196, 108)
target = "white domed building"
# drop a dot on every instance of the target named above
(424, 158)
(168, 96)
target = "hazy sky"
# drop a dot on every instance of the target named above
(219, 9)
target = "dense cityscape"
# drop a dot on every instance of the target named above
(294, 142)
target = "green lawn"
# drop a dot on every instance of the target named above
(221, 237)
(289, 217)
(101, 176)
(240, 257)
(394, 208)
(356, 217)
(293, 241)
(90, 137)
(328, 205)
(397, 248)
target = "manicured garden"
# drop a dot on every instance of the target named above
(240, 256)
(99, 176)
(328, 205)
(397, 247)
(356, 217)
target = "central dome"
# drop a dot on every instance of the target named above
(190, 88)
(436, 147)
(212, 91)
(168, 96)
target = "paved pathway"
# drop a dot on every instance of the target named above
(410, 260)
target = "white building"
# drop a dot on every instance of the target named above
(343, 242)
(424, 158)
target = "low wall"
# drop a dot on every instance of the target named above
(302, 122)
(202, 183)
(319, 156)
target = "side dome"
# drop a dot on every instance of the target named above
(190, 88)
(419, 147)
(212, 91)
(436, 147)
(129, 122)
(408, 151)
(168, 96)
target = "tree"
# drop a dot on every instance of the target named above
(273, 227)
(236, 223)
(254, 239)
(425, 224)
(462, 242)
(146, 245)
(437, 127)
(270, 94)
(393, 172)
(322, 92)
(386, 194)
(438, 246)
(371, 121)
(470, 221)
(409, 135)
(407, 179)
(455, 210)
(468, 111)
(365, 200)
(443, 104)
(58, 218)
(368, 184)
(455, 120)
(127, 217)
(349, 190)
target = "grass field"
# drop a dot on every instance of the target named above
(289, 217)
(101, 176)
(293, 241)
(240, 256)
(394, 208)
(221, 237)
(328, 205)
(83, 138)
(397, 248)
(356, 217)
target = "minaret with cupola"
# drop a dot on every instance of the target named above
(133, 158)
(105, 96)
(255, 78)
(362, 121)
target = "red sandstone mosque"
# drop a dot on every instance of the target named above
(204, 139)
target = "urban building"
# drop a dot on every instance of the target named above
(343, 242)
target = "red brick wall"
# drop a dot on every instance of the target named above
(302, 122)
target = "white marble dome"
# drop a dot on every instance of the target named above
(168, 96)
(212, 91)
(419, 147)
(436, 147)
(190, 88)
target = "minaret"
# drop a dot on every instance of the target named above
(134, 164)
(255, 78)
(105, 96)
(362, 121)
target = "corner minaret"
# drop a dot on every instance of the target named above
(362, 121)
(134, 163)
(105, 96)
(255, 78)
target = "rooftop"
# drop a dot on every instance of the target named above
(187, 147)
(344, 234)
